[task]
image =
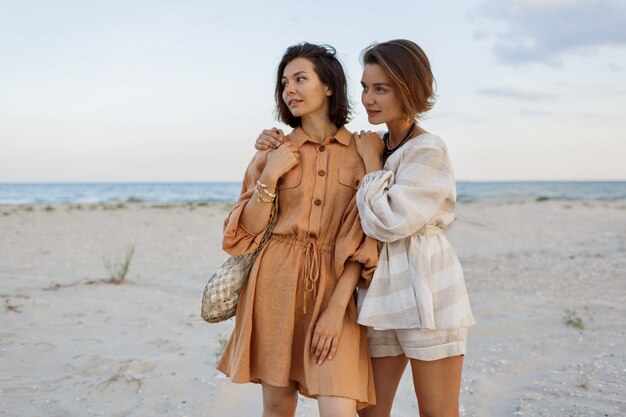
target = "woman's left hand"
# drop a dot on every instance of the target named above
(370, 147)
(326, 334)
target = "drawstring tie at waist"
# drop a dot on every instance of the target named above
(312, 261)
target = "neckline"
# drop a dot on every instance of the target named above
(408, 142)
(387, 156)
(406, 137)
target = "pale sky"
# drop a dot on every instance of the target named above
(178, 91)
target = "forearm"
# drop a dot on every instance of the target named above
(256, 213)
(346, 285)
(372, 163)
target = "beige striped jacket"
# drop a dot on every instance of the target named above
(406, 206)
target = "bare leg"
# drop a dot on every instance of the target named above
(279, 401)
(388, 371)
(336, 406)
(437, 385)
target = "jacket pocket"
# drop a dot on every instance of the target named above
(291, 179)
(351, 177)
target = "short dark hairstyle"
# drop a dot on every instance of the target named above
(408, 68)
(330, 72)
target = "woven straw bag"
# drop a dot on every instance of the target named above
(221, 293)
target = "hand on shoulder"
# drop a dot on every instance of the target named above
(269, 139)
(370, 147)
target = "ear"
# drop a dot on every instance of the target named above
(329, 91)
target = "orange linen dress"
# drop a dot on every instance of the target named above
(317, 231)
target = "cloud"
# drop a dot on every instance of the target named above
(543, 30)
(515, 94)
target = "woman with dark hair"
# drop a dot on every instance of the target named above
(296, 328)
(416, 307)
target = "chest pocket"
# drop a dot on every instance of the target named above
(351, 177)
(291, 179)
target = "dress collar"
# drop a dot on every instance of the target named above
(298, 137)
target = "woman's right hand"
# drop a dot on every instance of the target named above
(370, 148)
(270, 139)
(280, 161)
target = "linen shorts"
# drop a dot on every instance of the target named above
(422, 344)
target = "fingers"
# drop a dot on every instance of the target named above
(296, 158)
(283, 159)
(323, 348)
(277, 136)
(264, 142)
(317, 345)
(333, 349)
(270, 139)
(362, 134)
(288, 147)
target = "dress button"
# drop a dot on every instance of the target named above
(357, 182)
(322, 148)
(312, 235)
(321, 172)
(317, 202)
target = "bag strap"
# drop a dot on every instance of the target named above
(270, 227)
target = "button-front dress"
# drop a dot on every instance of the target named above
(317, 231)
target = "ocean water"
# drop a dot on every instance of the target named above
(229, 191)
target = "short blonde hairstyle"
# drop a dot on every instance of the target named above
(408, 68)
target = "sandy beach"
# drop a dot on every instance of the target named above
(547, 281)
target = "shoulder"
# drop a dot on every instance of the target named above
(429, 140)
(425, 149)
(344, 130)
(422, 145)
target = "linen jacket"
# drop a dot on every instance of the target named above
(407, 206)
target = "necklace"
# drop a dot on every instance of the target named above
(388, 151)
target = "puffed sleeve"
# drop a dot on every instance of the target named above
(353, 245)
(237, 240)
(393, 207)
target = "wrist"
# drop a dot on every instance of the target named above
(372, 165)
(336, 308)
(269, 179)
